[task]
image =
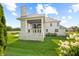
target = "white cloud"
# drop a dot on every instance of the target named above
(11, 7)
(46, 9)
(70, 10)
(69, 17)
(63, 22)
(46, 5)
(75, 8)
(63, 17)
(50, 10)
(40, 8)
(31, 8)
(13, 13)
(66, 17)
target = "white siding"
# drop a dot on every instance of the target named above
(39, 36)
(52, 28)
(23, 32)
(61, 32)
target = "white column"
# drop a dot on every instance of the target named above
(23, 29)
(26, 29)
(42, 27)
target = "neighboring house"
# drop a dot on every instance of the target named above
(72, 29)
(36, 26)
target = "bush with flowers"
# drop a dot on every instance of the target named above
(69, 47)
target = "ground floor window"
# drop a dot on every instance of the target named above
(56, 30)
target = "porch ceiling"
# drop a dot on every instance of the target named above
(34, 21)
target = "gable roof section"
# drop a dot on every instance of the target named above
(48, 19)
(62, 27)
(34, 15)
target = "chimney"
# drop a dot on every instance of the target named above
(23, 10)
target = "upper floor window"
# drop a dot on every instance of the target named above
(50, 24)
(46, 30)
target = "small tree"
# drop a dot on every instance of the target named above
(3, 33)
(1, 38)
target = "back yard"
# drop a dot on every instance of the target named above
(18, 47)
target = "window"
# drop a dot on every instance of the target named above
(28, 30)
(46, 30)
(34, 25)
(56, 30)
(50, 24)
(38, 25)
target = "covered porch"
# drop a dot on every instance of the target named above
(34, 29)
(34, 26)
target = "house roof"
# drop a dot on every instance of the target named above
(34, 15)
(62, 27)
(48, 19)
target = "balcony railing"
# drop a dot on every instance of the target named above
(34, 30)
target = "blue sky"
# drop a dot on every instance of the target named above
(68, 13)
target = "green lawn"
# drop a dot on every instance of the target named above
(18, 47)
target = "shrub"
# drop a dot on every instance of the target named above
(69, 47)
(51, 34)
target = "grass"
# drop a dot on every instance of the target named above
(32, 48)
